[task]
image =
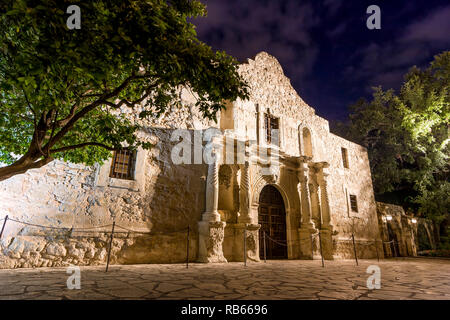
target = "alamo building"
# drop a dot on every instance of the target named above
(313, 193)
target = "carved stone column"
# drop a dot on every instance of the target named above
(307, 226)
(245, 221)
(212, 193)
(314, 196)
(324, 201)
(244, 195)
(211, 229)
(326, 227)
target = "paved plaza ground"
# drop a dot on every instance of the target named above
(408, 278)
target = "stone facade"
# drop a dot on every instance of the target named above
(324, 181)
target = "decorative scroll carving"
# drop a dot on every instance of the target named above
(324, 201)
(212, 193)
(211, 235)
(314, 197)
(302, 175)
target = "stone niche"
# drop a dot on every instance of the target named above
(227, 116)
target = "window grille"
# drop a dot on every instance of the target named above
(271, 123)
(353, 203)
(344, 157)
(123, 164)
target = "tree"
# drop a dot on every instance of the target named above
(61, 89)
(407, 137)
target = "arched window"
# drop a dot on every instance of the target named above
(306, 142)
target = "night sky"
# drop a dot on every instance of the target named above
(325, 48)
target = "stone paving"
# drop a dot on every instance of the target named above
(408, 278)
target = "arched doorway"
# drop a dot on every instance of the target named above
(272, 218)
(423, 239)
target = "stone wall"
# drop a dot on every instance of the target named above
(400, 231)
(64, 195)
(165, 198)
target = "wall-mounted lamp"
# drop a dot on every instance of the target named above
(413, 220)
(389, 218)
(383, 218)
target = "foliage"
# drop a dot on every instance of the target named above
(407, 137)
(60, 88)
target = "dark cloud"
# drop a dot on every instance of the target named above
(245, 28)
(337, 30)
(434, 28)
(325, 47)
(332, 6)
(385, 63)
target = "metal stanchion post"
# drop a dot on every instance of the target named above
(110, 245)
(264, 239)
(245, 245)
(320, 245)
(187, 248)
(3, 227)
(354, 249)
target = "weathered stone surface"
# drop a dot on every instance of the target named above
(405, 278)
(210, 241)
(56, 249)
(165, 198)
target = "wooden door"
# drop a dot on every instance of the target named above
(272, 218)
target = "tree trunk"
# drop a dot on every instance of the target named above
(21, 166)
(35, 157)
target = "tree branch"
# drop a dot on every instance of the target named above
(131, 104)
(63, 122)
(53, 127)
(81, 145)
(22, 167)
(29, 105)
(87, 109)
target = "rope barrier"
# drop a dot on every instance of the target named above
(151, 233)
(39, 226)
(81, 229)
(367, 242)
(275, 241)
(237, 232)
(89, 229)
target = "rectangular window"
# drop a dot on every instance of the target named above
(344, 157)
(271, 123)
(123, 164)
(353, 203)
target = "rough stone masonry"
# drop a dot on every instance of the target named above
(321, 185)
